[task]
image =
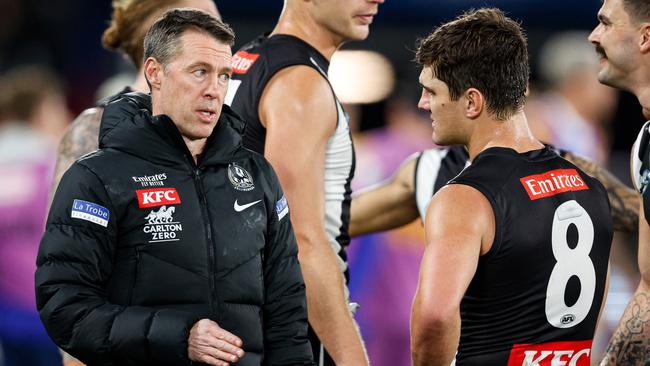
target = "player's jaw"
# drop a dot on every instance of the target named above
(362, 17)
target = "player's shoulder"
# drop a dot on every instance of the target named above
(494, 168)
(274, 51)
(495, 161)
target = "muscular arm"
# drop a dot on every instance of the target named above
(454, 244)
(623, 199)
(79, 139)
(630, 344)
(387, 205)
(298, 109)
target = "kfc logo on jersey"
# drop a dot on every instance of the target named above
(551, 354)
(242, 61)
(157, 197)
(553, 182)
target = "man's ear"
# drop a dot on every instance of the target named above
(644, 42)
(153, 72)
(474, 103)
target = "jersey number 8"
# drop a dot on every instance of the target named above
(570, 262)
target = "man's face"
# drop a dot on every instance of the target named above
(193, 84)
(446, 115)
(348, 20)
(615, 39)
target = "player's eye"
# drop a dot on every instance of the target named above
(224, 77)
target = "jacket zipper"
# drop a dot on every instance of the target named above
(212, 259)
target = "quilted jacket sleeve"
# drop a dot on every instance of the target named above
(285, 308)
(74, 262)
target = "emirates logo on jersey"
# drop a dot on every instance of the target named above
(576, 353)
(242, 61)
(552, 182)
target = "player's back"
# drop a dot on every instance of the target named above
(536, 294)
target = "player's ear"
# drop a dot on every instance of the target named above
(644, 42)
(152, 72)
(474, 103)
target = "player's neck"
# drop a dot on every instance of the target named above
(304, 27)
(195, 147)
(513, 133)
(639, 83)
(644, 98)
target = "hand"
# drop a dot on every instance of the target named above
(210, 344)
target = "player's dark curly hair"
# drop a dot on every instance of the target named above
(480, 49)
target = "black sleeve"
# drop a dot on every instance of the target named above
(74, 263)
(285, 307)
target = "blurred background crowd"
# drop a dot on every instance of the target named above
(52, 66)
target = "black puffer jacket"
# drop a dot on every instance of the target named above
(141, 243)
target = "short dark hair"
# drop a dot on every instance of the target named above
(483, 49)
(161, 40)
(638, 10)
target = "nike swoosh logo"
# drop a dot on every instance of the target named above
(241, 208)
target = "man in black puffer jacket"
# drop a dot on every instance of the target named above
(172, 244)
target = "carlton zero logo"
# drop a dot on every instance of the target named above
(154, 197)
(552, 182)
(551, 354)
(242, 61)
(161, 226)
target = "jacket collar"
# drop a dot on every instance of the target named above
(127, 125)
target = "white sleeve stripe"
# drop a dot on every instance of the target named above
(426, 174)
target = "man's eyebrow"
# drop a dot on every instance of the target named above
(603, 18)
(200, 63)
(425, 88)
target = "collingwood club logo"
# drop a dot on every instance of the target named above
(161, 225)
(240, 178)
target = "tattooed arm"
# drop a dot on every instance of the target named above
(623, 199)
(630, 344)
(80, 139)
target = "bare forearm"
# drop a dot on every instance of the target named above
(623, 199)
(368, 215)
(327, 305)
(387, 205)
(434, 343)
(630, 344)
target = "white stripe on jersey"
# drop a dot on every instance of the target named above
(425, 178)
(338, 169)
